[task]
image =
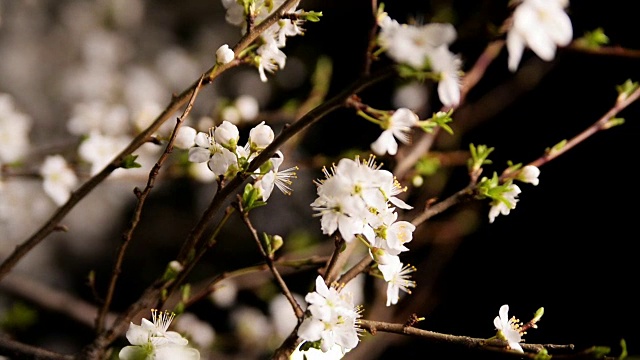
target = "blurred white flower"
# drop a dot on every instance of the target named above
(200, 332)
(225, 293)
(541, 25)
(282, 315)
(14, 131)
(59, 178)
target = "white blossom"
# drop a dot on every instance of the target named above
(397, 126)
(260, 137)
(529, 174)
(14, 131)
(59, 178)
(505, 204)
(397, 277)
(541, 25)
(227, 135)
(333, 318)
(508, 329)
(186, 137)
(153, 340)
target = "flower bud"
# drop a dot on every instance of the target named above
(260, 136)
(224, 55)
(227, 135)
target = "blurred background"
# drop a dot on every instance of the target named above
(568, 246)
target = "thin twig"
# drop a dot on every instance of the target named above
(268, 258)
(17, 350)
(361, 266)
(464, 341)
(52, 299)
(142, 196)
(599, 125)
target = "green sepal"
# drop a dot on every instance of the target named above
(251, 198)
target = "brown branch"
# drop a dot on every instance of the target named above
(52, 299)
(142, 197)
(76, 196)
(600, 124)
(464, 341)
(268, 258)
(604, 50)
(194, 239)
(17, 350)
(443, 205)
(361, 266)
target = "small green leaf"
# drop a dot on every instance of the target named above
(623, 353)
(312, 16)
(613, 122)
(626, 89)
(542, 355)
(555, 148)
(594, 39)
(129, 162)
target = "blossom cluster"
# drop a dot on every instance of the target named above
(225, 158)
(424, 47)
(332, 318)
(269, 56)
(358, 199)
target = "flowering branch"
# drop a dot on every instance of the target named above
(473, 343)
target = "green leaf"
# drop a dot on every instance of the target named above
(555, 148)
(542, 355)
(626, 89)
(613, 122)
(129, 162)
(312, 16)
(594, 39)
(623, 354)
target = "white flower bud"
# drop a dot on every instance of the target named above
(224, 55)
(261, 136)
(529, 174)
(185, 138)
(227, 135)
